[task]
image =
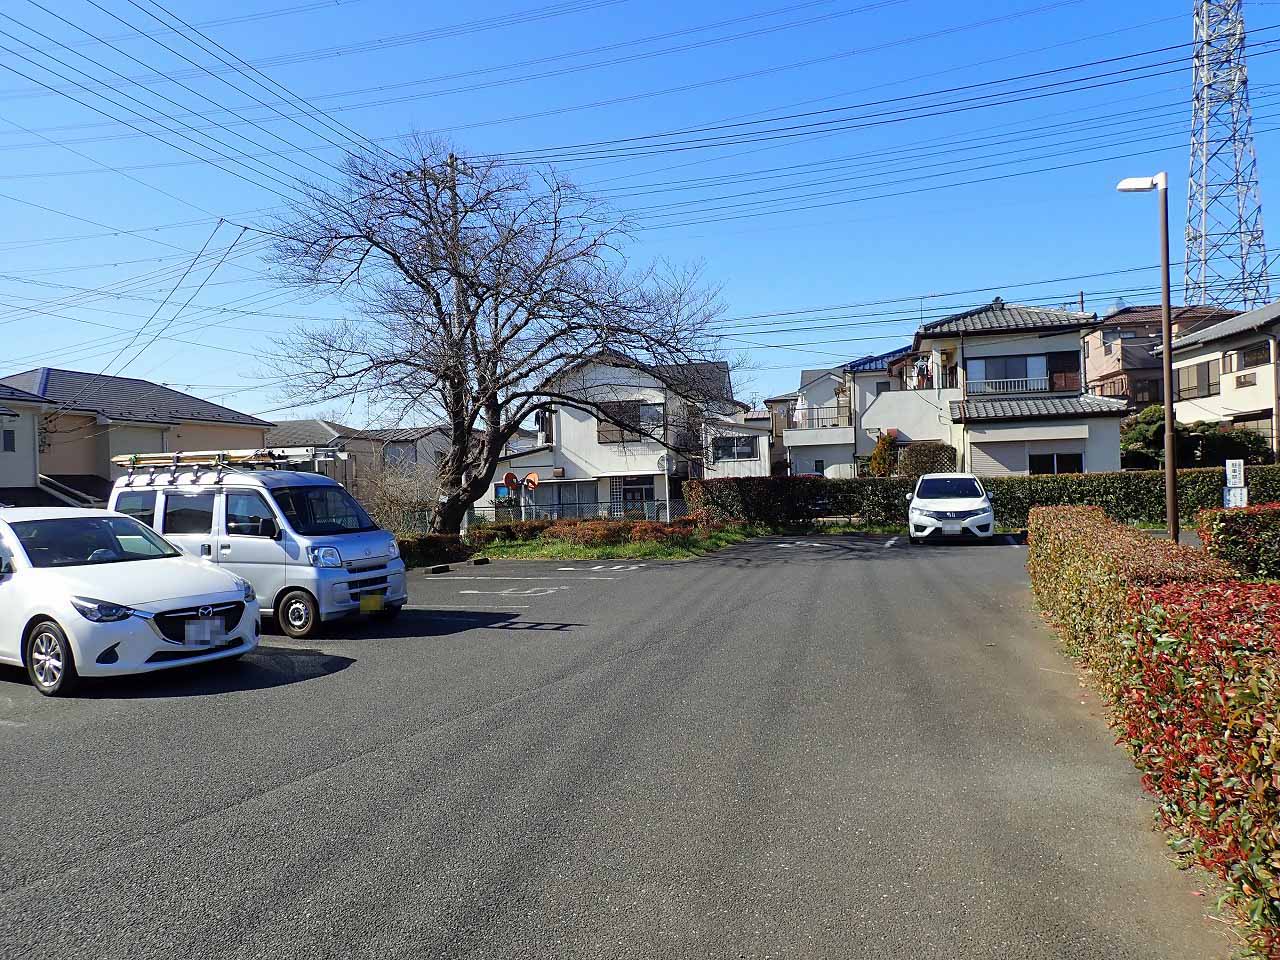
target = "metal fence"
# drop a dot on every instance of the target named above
(660, 510)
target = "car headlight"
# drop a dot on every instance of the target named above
(925, 513)
(100, 611)
(248, 594)
(324, 556)
(393, 548)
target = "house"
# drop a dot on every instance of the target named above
(1228, 373)
(1120, 358)
(89, 418)
(20, 486)
(633, 459)
(1003, 384)
(351, 455)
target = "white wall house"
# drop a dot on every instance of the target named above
(1003, 384)
(635, 460)
(20, 414)
(1228, 373)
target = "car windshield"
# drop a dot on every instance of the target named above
(948, 488)
(87, 541)
(319, 510)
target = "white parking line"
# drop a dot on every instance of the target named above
(513, 592)
(890, 543)
(523, 578)
(498, 606)
(601, 566)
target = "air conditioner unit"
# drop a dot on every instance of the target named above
(557, 473)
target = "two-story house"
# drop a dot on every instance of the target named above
(1003, 384)
(1228, 373)
(89, 418)
(632, 458)
(1120, 359)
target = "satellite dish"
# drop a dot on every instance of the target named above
(531, 481)
(510, 480)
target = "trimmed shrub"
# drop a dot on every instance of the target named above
(1131, 496)
(883, 456)
(1248, 538)
(1196, 696)
(926, 456)
(425, 549)
(482, 533)
(590, 533)
(653, 531)
(1083, 566)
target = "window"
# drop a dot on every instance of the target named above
(629, 421)
(636, 492)
(820, 466)
(1202, 379)
(1063, 369)
(947, 488)
(883, 386)
(1055, 463)
(8, 441)
(1254, 355)
(735, 448)
(319, 510)
(1148, 391)
(188, 513)
(139, 504)
(1247, 380)
(1259, 423)
(85, 541)
(544, 423)
(248, 515)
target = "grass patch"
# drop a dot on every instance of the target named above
(695, 545)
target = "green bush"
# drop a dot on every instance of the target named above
(426, 549)
(590, 533)
(482, 533)
(1082, 567)
(1130, 496)
(926, 456)
(1248, 538)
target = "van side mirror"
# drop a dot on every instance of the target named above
(6, 567)
(269, 528)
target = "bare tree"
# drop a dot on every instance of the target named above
(481, 289)
(400, 496)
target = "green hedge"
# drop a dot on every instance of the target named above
(1130, 496)
(431, 548)
(1248, 538)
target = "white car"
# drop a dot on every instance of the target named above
(949, 505)
(94, 593)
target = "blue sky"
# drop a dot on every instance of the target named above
(882, 218)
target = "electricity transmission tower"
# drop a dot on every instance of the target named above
(1226, 260)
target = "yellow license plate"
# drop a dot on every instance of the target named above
(371, 603)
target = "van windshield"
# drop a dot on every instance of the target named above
(322, 510)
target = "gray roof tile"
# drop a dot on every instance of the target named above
(123, 398)
(1036, 408)
(879, 361)
(1243, 323)
(16, 395)
(998, 317)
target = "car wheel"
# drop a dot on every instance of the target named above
(50, 662)
(298, 614)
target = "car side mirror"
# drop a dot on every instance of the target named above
(910, 497)
(6, 567)
(269, 529)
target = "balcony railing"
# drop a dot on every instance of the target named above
(818, 418)
(1016, 385)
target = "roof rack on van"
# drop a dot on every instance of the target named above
(221, 461)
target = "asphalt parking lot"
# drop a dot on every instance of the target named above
(799, 747)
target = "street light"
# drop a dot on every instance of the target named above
(1160, 183)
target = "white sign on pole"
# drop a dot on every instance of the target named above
(1235, 497)
(1235, 473)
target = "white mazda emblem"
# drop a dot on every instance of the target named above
(205, 612)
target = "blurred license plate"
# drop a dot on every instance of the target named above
(204, 633)
(951, 528)
(371, 603)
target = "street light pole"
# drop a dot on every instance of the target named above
(1160, 183)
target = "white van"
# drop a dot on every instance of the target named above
(309, 549)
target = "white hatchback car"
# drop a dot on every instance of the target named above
(949, 505)
(96, 593)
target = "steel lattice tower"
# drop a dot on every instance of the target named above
(1226, 260)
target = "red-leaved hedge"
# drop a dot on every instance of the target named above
(1196, 697)
(1248, 538)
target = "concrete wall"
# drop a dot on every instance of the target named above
(71, 445)
(915, 414)
(18, 469)
(837, 460)
(215, 436)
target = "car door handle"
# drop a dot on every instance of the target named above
(206, 550)
(225, 547)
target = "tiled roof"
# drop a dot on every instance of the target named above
(1036, 408)
(880, 361)
(1241, 323)
(1150, 313)
(308, 433)
(399, 434)
(709, 380)
(6, 412)
(123, 398)
(13, 393)
(998, 317)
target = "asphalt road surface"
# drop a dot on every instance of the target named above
(826, 747)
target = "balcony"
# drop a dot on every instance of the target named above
(1065, 382)
(818, 426)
